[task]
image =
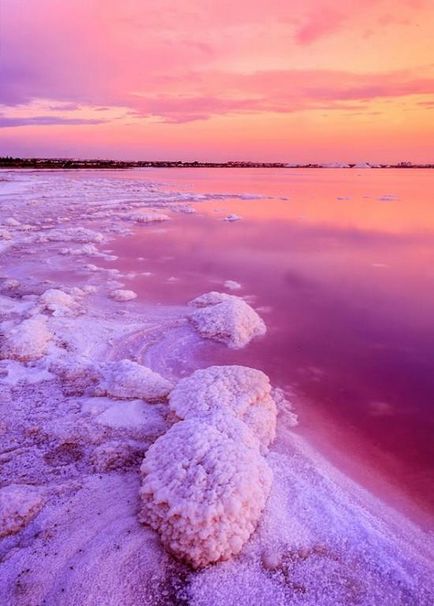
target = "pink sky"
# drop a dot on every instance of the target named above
(286, 80)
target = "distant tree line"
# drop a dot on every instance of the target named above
(70, 163)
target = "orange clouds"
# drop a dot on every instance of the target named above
(192, 66)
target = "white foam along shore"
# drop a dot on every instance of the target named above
(104, 446)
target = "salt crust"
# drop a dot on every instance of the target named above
(226, 318)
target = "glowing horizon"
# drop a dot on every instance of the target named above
(300, 81)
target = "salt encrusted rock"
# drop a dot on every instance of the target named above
(226, 318)
(203, 491)
(59, 303)
(126, 379)
(123, 295)
(5, 235)
(19, 504)
(27, 341)
(237, 391)
(231, 218)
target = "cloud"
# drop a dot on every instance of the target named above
(8, 122)
(322, 22)
(64, 107)
(283, 91)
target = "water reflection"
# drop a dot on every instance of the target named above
(346, 288)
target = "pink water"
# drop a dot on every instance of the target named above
(346, 287)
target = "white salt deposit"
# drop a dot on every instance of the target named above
(133, 414)
(232, 285)
(232, 218)
(238, 391)
(126, 379)
(73, 234)
(26, 341)
(153, 217)
(203, 492)
(121, 295)
(226, 318)
(58, 302)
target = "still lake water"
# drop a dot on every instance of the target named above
(341, 266)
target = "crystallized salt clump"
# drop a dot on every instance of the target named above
(226, 318)
(129, 380)
(232, 285)
(19, 504)
(203, 491)
(59, 303)
(237, 391)
(27, 341)
(123, 295)
(120, 295)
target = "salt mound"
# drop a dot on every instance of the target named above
(226, 318)
(237, 391)
(203, 491)
(128, 380)
(58, 302)
(123, 295)
(19, 504)
(27, 341)
(231, 218)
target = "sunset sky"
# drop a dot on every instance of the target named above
(282, 80)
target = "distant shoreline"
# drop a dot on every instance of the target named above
(64, 163)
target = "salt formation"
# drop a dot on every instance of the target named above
(58, 302)
(226, 318)
(232, 285)
(203, 491)
(72, 234)
(126, 379)
(231, 218)
(148, 217)
(238, 391)
(121, 295)
(19, 504)
(27, 341)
